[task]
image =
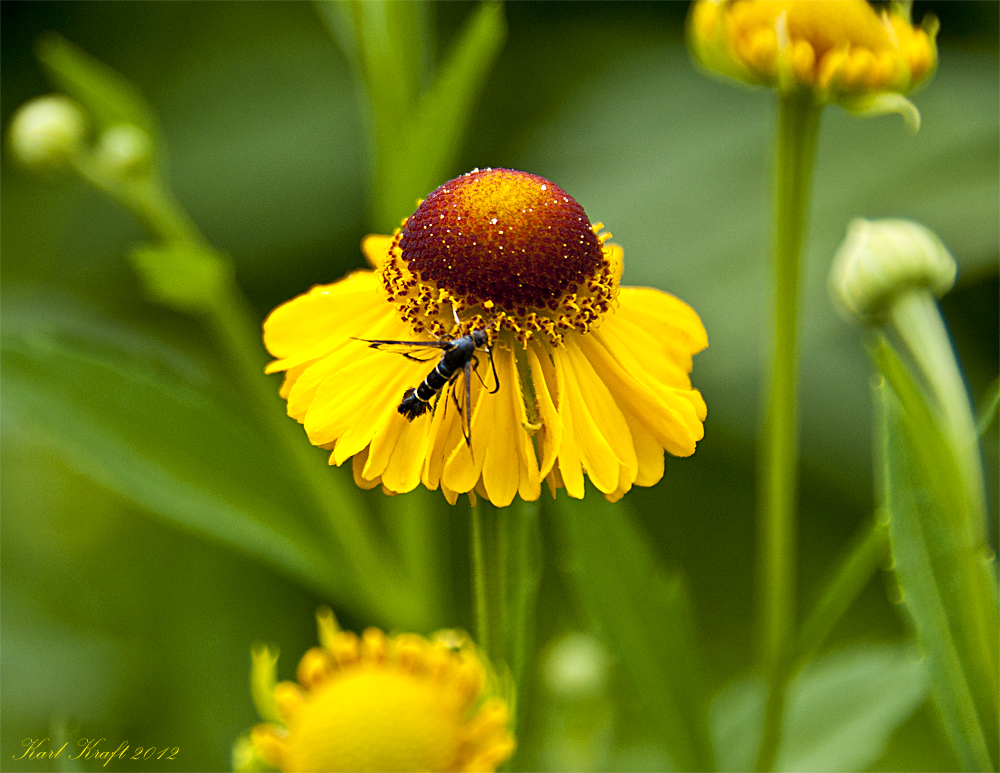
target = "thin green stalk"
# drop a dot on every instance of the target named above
(918, 321)
(869, 551)
(798, 125)
(506, 568)
(798, 130)
(483, 578)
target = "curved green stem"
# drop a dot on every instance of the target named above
(231, 321)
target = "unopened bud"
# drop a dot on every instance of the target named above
(881, 260)
(48, 131)
(577, 667)
(125, 150)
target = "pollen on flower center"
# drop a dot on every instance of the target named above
(506, 249)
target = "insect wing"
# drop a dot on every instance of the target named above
(418, 351)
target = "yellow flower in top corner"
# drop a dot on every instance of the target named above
(378, 703)
(843, 51)
(570, 374)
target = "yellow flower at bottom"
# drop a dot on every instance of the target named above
(383, 704)
(591, 379)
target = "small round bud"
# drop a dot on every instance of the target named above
(125, 150)
(881, 260)
(48, 131)
(577, 667)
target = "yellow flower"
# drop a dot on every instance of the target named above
(843, 51)
(590, 378)
(379, 703)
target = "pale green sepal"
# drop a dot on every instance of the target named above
(263, 680)
(885, 103)
(245, 758)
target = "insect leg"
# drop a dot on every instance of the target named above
(496, 378)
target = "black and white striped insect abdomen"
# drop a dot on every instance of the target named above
(459, 354)
(458, 357)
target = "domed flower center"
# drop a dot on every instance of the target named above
(506, 249)
(503, 236)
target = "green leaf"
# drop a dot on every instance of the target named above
(139, 418)
(840, 713)
(643, 613)
(416, 131)
(424, 155)
(109, 97)
(946, 573)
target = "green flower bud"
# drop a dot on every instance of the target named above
(48, 131)
(125, 150)
(881, 260)
(577, 667)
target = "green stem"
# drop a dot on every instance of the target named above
(869, 551)
(488, 580)
(917, 319)
(506, 569)
(798, 126)
(798, 130)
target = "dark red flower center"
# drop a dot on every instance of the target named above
(499, 235)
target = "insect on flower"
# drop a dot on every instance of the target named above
(458, 357)
(591, 379)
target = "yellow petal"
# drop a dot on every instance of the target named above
(544, 381)
(668, 421)
(303, 325)
(462, 467)
(376, 249)
(507, 446)
(597, 425)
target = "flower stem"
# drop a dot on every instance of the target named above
(917, 319)
(798, 129)
(798, 125)
(506, 569)
(484, 580)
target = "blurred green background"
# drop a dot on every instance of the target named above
(122, 620)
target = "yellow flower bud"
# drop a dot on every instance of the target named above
(881, 260)
(845, 51)
(48, 131)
